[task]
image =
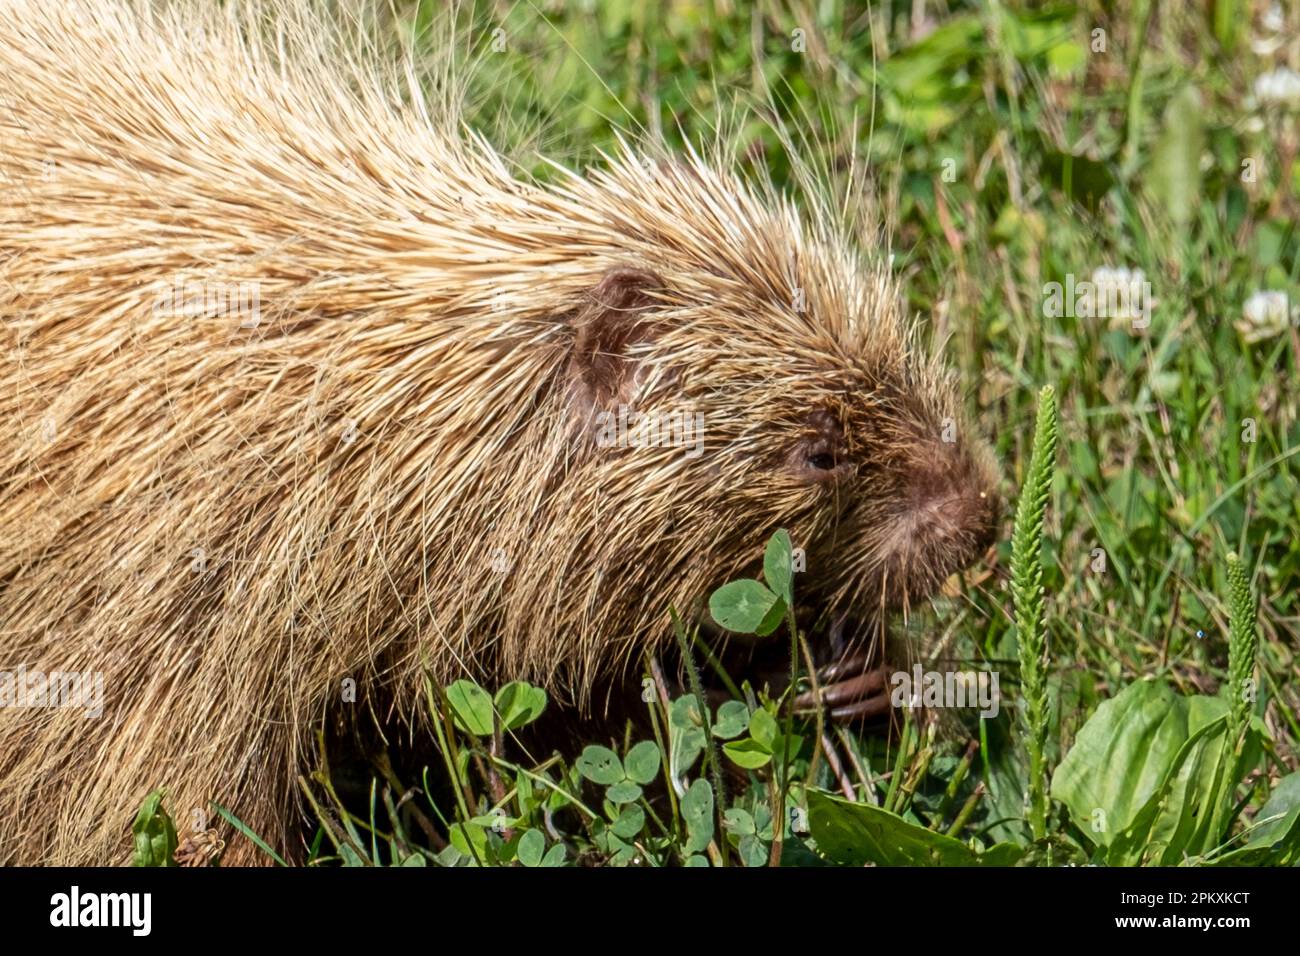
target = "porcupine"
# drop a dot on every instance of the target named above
(302, 383)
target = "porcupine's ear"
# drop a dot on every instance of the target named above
(613, 317)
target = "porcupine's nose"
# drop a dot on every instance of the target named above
(947, 515)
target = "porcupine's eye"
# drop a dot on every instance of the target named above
(819, 453)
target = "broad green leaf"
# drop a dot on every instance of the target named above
(1027, 35)
(642, 762)
(742, 606)
(1283, 801)
(621, 852)
(1175, 821)
(1078, 176)
(519, 703)
(1065, 59)
(1274, 839)
(498, 820)
(684, 713)
(525, 794)
(1208, 779)
(853, 834)
(1002, 854)
(1137, 737)
(153, 833)
(786, 747)
(600, 765)
(926, 67)
(471, 708)
(778, 566)
(753, 851)
(450, 856)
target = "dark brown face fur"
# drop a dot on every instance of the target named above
(912, 494)
(842, 438)
(905, 497)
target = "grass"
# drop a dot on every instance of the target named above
(1015, 145)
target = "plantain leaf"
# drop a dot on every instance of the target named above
(1169, 763)
(1274, 839)
(1281, 804)
(853, 834)
(1176, 821)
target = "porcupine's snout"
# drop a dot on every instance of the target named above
(923, 505)
(945, 519)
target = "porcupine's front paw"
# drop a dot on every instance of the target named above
(849, 690)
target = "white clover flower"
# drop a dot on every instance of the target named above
(1281, 86)
(1264, 315)
(1273, 22)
